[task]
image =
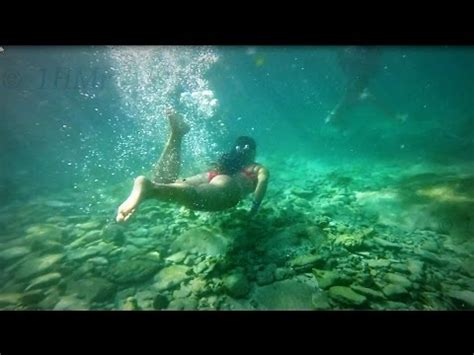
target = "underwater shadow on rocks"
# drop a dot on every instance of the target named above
(447, 200)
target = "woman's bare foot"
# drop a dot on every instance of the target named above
(178, 125)
(127, 208)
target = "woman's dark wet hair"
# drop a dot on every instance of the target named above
(238, 157)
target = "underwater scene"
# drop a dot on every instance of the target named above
(237, 178)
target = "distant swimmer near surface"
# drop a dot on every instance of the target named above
(360, 65)
(233, 176)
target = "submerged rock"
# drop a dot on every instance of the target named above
(93, 289)
(368, 292)
(202, 241)
(84, 253)
(464, 296)
(9, 299)
(71, 302)
(171, 276)
(130, 304)
(378, 263)
(346, 296)
(354, 241)
(11, 254)
(303, 193)
(114, 233)
(282, 273)
(265, 276)
(321, 301)
(398, 279)
(33, 297)
(415, 267)
(183, 304)
(37, 266)
(131, 271)
(236, 284)
(386, 244)
(393, 306)
(198, 286)
(395, 291)
(177, 257)
(44, 281)
(430, 257)
(307, 262)
(38, 234)
(285, 295)
(160, 302)
(326, 279)
(89, 225)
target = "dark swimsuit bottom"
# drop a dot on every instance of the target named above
(249, 174)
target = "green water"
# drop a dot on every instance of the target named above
(372, 209)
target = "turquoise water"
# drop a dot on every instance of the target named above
(368, 209)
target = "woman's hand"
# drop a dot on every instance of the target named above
(254, 209)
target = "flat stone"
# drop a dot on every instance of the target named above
(326, 279)
(130, 304)
(52, 298)
(89, 225)
(398, 279)
(285, 295)
(14, 253)
(430, 257)
(44, 281)
(236, 284)
(177, 257)
(394, 291)
(171, 276)
(93, 235)
(9, 299)
(415, 267)
(93, 289)
(132, 271)
(464, 296)
(198, 286)
(346, 296)
(202, 241)
(303, 193)
(52, 246)
(82, 254)
(468, 267)
(386, 244)
(71, 302)
(307, 262)
(378, 263)
(182, 292)
(145, 299)
(394, 305)
(368, 292)
(321, 301)
(37, 266)
(430, 245)
(32, 297)
(183, 304)
(38, 234)
(141, 242)
(98, 260)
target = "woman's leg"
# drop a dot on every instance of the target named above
(220, 194)
(168, 166)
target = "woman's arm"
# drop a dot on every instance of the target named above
(263, 176)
